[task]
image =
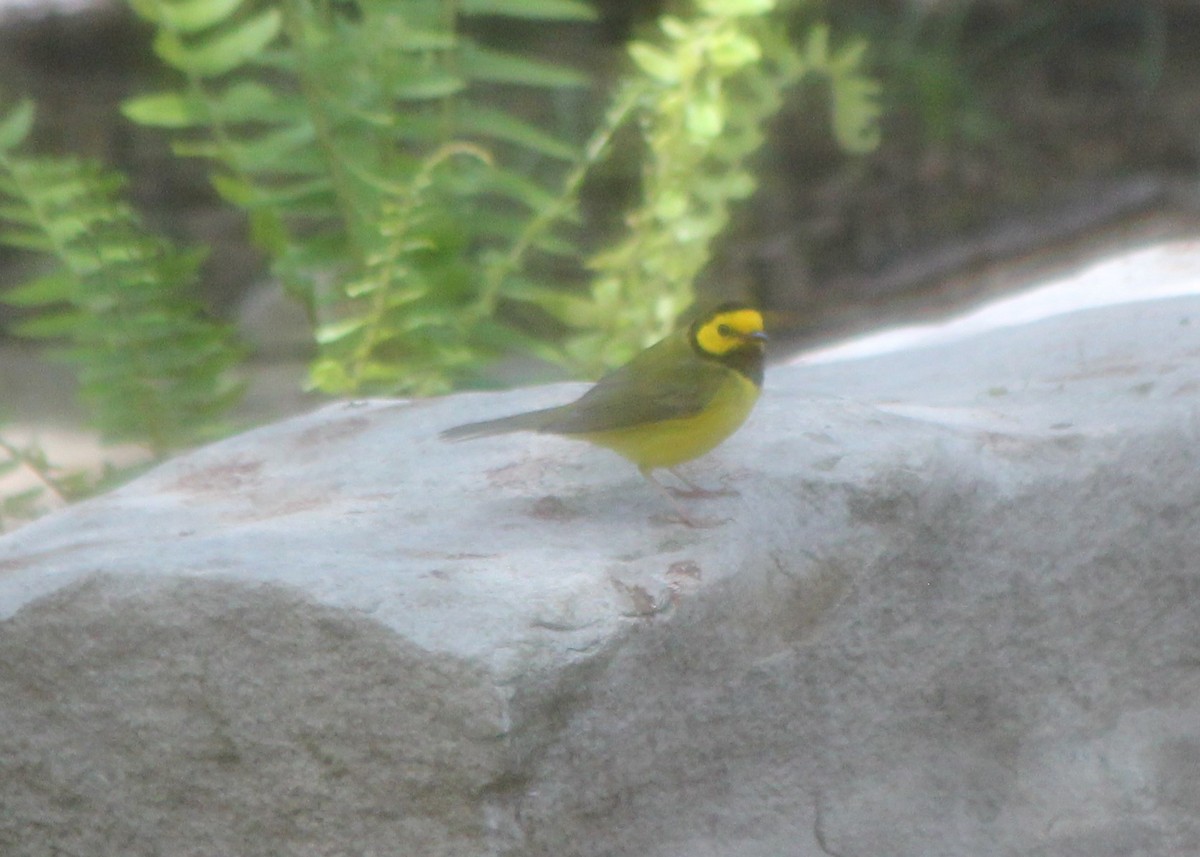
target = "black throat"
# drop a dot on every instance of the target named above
(746, 359)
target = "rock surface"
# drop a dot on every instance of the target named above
(954, 612)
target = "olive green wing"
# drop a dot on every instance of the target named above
(666, 381)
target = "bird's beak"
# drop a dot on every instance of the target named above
(757, 336)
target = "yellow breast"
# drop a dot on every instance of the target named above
(670, 442)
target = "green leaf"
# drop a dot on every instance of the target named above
(480, 63)
(27, 239)
(676, 29)
(244, 101)
(816, 50)
(571, 309)
(736, 8)
(733, 50)
(20, 504)
(59, 324)
(335, 330)
(850, 57)
(704, 119)
(856, 113)
(520, 188)
(22, 214)
(197, 149)
(329, 376)
(476, 119)
(398, 296)
(165, 110)
(47, 289)
(542, 10)
(655, 62)
(250, 101)
(283, 196)
(500, 338)
(555, 246)
(419, 41)
(15, 127)
(192, 16)
(432, 86)
(224, 51)
(273, 150)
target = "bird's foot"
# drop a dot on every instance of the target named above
(681, 516)
(678, 517)
(697, 492)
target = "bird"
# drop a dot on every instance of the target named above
(674, 401)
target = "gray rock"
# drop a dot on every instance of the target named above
(954, 612)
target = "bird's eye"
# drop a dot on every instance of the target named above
(724, 330)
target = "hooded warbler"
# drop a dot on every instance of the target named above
(671, 403)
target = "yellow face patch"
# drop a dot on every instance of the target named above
(727, 331)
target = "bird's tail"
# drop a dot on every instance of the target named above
(531, 421)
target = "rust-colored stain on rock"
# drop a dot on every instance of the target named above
(685, 568)
(552, 508)
(326, 432)
(228, 476)
(520, 474)
(32, 560)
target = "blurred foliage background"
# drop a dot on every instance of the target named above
(1012, 137)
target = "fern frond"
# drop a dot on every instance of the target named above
(855, 96)
(16, 125)
(332, 131)
(404, 204)
(151, 367)
(541, 10)
(703, 95)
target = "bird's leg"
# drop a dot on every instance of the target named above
(684, 517)
(698, 492)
